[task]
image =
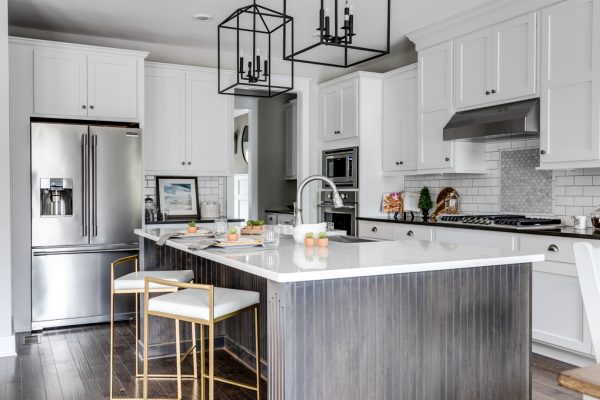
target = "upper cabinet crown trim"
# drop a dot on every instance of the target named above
(354, 75)
(401, 70)
(477, 18)
(48, 44)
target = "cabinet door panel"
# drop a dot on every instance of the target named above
(112, 87)
(60, 83)
(470, 237)
(164, 130)
(473, 69)
(330, 114)
(570, 47)
(435, 106)
(399, 141)
(515, 54)
(348, 110)
(209, 118)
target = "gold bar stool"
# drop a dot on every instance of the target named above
(133, 283)
(204, 305)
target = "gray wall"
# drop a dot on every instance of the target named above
(7, 342)
(273, 190)
(239, 165)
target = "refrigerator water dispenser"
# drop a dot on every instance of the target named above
(56, 197)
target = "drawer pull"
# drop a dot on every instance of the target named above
(410, 233)
(374, 229)
(553, 248)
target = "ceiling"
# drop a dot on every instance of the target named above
(170, 22)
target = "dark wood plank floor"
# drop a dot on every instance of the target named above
(73, 364)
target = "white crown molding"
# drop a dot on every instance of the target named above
(14, 40)
(354, 75)
(480, 17)
(400, 70)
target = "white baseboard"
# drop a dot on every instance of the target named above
(568, 357)
(8, 346)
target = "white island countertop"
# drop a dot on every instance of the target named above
(296, 263)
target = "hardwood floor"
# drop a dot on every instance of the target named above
(73, 364)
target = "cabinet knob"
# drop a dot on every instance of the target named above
(447, 159)
(337, 132)
(91, 107)
(553, 248)
(84, 107)
(399, 162)
(487, 93)
(183, 163)
(493, 91)
(542, 151)
(410, 233)
(374, 229)
(189, 163)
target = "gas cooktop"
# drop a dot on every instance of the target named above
(518, 222)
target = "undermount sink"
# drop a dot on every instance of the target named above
(350, 239)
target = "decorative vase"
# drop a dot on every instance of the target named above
(192, 229)
(425, 214)
(309, 242)
(232, 237)
(323, 242)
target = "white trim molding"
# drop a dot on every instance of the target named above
(480, 17)
(8, 346)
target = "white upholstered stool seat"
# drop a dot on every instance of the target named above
(193, 303)
(135, 280)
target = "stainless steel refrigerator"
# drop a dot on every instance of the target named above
(86, 200)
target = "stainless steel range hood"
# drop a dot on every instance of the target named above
(506, 121)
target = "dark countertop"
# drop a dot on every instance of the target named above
(566, 231)
(185, 221)
(279, 211)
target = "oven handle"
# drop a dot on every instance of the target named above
(330, 205)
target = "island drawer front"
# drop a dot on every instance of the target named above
(376, 230)
(498, 240)
(413, 232)
(555, 248)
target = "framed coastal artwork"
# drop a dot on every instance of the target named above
(178, 196)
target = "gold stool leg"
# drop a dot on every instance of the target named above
(202, 362)
(195, 350)
(211, 361)
(145, 382)
(112, 340)
(257, 339)
(137, 324)
(178, 355)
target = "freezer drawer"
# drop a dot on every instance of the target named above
(74, 288)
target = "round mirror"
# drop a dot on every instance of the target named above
(246, 145)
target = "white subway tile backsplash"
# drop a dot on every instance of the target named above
(583, 180)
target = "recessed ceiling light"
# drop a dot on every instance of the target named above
(203, 17)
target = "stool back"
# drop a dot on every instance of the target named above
(587, 259)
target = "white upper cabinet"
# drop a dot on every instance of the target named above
(188, 125)
(496, 64)
(60, 82)
(399, 141)
(164, 132)
(434, 111)
(209, 115)
(339, 110)
(112, 86)
(85, 84)
(570, 131)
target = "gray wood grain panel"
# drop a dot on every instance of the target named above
(456, 335)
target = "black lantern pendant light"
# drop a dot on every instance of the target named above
(338, 32)
(250, 27)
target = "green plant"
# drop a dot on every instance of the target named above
(252, 222)
(322, 235)
(310, 235)
(192, 224)
(425, 202)
(233, 231)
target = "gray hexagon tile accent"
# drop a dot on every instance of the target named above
(523, 188)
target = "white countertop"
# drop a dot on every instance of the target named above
(296, 263)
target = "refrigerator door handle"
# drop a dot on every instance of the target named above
(94, 176)
(84, 192)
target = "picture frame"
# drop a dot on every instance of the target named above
(178, 196)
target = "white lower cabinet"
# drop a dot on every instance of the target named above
(413, 232)
(376, 230)
(476, 237)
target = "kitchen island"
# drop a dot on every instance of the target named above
(375, 320)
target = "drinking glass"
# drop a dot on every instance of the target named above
(270, 237)
(220, 226)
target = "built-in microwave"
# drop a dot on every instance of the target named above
(341, 166)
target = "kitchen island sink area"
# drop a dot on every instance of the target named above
(390, 319)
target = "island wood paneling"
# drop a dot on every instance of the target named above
(457, 335)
